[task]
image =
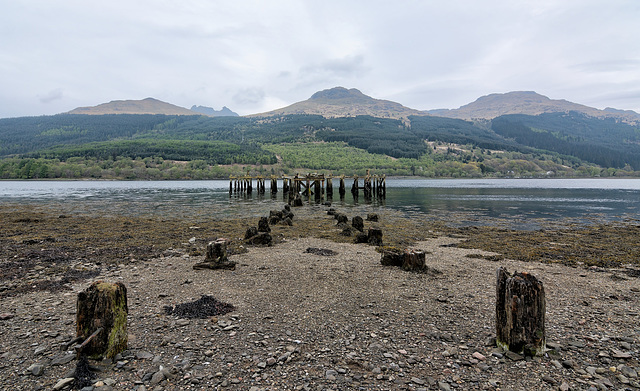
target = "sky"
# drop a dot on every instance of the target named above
(254, 56)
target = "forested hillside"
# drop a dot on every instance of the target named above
(606, 142)
(187, 147)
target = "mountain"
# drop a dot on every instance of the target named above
(529, 103)
(225, 112)
(144, 106)
(342, 102)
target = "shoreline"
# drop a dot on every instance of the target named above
(305, 321)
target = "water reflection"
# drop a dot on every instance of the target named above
(516, 203)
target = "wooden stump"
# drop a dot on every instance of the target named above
(374, 236)
(263, 225)
(251, 232)
(392, 257)
(342, 218)
(358, 223)
(413, 260)
(216, 257)
(102, 306)
(520, 313)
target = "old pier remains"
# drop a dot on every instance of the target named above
(312, 185)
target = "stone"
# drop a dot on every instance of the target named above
(372, 217)
(478, 356)
(62, 383)
(444, 386)
(157, 378)
(513, 356)
(63, 359)
(36, 369)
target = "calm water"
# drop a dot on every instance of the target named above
(515, 202)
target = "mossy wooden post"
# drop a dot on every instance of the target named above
(103, 305)
(520, 313)
(341, 189)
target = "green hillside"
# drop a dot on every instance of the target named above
(200, 147)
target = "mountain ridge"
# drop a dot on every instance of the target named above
(342, 102)
(528, 103)
(143, 106)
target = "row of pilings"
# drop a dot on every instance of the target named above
(311, 185)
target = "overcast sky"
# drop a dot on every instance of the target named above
(255, 56)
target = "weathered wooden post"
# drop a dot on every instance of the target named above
(414, 260)
(101, 319)
(216, 257)
(274, 185)
(341, 189)
(355, 187)
(329, 186)
(374, 236)
(520, 313)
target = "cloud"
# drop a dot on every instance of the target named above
(51, 96)
(249, 96)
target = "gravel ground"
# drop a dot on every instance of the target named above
(305, 321)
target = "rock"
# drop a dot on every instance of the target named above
(36, 369)
(628, 372)
(513, 355)
(418, 381)
(620, 354)
(549, 379)
(479, 356)
(141, 354)
(444, 386)
(64, 383)
(64, 359)
(372, 217)
(157, 378)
